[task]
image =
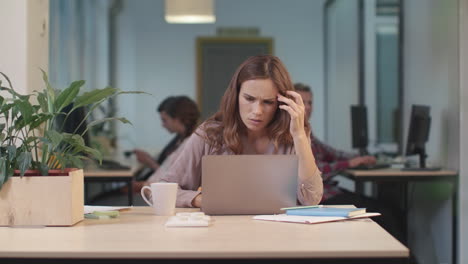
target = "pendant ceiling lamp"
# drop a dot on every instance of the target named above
(190, 11)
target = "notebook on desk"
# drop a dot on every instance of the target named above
(248, 184)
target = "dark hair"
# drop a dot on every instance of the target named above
(182, 108)
(226, 126)
(302, 87)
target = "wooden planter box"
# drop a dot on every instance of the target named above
(43, 200)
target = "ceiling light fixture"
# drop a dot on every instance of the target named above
(190, 11)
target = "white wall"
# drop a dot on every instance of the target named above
(160, 58)
(431, 78)
(17, 35)
(24, 42)
(16, 47)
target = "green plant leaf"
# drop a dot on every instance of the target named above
(9, 132)
(10, 90)
(29, 140)
(93, 152)
(26, 110)
(94, 96)
(6, 78)
(6, 109)
(24, 162)
(67, 95)
(43, 169)
(76, 162)
(55, 137)
(42, 99)
(133, 92)
(3, 171)
(14, 111)
(18, 123)
(11, 150)
(36, 108)
(107, 119)
(73, 139)
(39, 120)
(50, 92)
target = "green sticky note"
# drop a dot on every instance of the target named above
(112, 214)
(93, 216)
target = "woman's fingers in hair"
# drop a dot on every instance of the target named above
(289, 102)
(290, 110)
(297, 97)
(295, 103)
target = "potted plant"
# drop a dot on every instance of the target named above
(33, 143)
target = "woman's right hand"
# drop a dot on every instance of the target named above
(295, 107)
(196, 202)
(144, 158)
(365, 160)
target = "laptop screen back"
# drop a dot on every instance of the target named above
(248, 184)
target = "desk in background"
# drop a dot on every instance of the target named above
(139, 236)
(100, 175)
(404, 177)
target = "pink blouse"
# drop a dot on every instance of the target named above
(186, 171)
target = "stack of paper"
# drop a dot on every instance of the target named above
(309, 219)
(317, 214)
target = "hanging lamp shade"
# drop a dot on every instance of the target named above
(190, 11)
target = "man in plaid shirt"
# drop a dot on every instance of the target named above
(331, 161)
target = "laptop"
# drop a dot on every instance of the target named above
(248, 184)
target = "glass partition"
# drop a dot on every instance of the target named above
(363, 67)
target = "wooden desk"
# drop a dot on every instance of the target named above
(139, 235)
(404, 177)
(99, 175)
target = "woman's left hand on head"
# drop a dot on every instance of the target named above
(295, 107)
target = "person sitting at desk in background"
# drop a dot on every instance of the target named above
(332, 161)
(329, 160)
(259, 114)
(179, 114)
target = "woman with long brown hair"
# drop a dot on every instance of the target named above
(259, 114)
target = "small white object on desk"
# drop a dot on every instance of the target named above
(197, 219)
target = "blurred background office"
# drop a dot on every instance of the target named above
(152, 55)
(385, 54)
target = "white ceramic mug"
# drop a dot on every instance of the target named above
(163, 197)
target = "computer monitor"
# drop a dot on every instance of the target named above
(360, 138)
(418, 133)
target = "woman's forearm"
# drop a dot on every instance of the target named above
(310, 179)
